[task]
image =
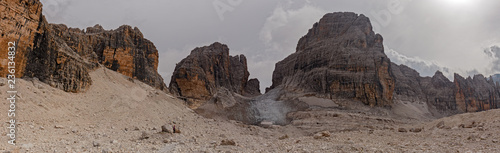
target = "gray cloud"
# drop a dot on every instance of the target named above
(494, 53)
(424, 67)
(280, 35)
(54, 8)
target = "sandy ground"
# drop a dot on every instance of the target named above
(118, 114)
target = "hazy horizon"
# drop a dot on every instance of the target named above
(428, 35)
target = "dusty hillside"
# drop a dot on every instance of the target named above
(115, 112)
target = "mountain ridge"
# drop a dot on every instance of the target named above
(63, 57)
(341, 47)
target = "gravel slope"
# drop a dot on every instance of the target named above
(118, 114)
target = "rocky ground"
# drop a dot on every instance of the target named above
(119, 114)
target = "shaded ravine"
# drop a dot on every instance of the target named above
(267, 108)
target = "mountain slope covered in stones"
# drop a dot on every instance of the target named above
(119, 115)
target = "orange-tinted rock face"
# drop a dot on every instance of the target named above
(120, 60)
(124, 50)
(39, 53)
(386, 81)
(476, 94)
(63, 57)
(19, 23)
(460, 98)
(192, 88)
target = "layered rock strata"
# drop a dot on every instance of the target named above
(340, 57)
(63, 57)
(198, 77)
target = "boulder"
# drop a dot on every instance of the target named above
(402, 130)
(166, 129)
(227, 142)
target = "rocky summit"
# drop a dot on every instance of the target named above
(198, 77)
(340, 57)
(63, 57)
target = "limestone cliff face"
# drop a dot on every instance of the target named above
(439, 92)
(446, 97)
(200, 75)
(476, 94)
(341, 57)
(124, 50)
(63, 57)
(38, 53)
(53, 62)
(407, 80)
(20, 22)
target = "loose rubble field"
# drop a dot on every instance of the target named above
(118, 114)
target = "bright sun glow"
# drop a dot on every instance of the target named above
(459, 2)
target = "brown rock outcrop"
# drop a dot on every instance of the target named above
(124, 50)
(53, 62)
(342, 57)
(39, 53)
(20, 23)
(63, 57)
(200, 75)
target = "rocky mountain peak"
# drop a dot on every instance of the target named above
(438, 73)
(479, 77)
(340, 56)
(440, 79)
(198, 77)
(128, 30)
(214, 47)
(355, 30)
(95, 29)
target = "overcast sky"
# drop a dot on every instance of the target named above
(459, 36)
